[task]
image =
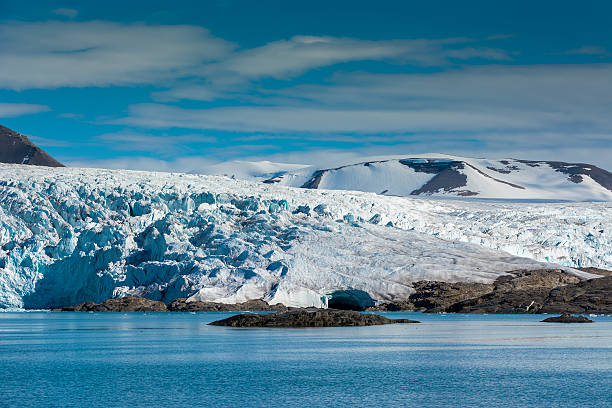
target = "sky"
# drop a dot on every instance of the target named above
(181, 85)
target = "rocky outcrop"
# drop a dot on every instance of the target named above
(437, 296)
(591, 296)
(567, 318)
(138, 304)
(125, 304)
(539, 291)
(257, 305)
(17, 148)
(308, 318)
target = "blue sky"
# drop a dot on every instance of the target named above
(179, 85)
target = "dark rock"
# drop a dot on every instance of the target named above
(534, 279)
(508, 302)
(397, 306)
(591, 296)
(125, 304)
(532, 293)
(524, 291)
(437, 296)
(17, 148)
(567, 318)
(256, 305)
(308, 318)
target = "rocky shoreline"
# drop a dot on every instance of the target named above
(540, 291)
(139, 304)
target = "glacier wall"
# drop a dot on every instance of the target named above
(73, 235)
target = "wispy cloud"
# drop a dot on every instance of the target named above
(480, 110)
(56, 54)
(588, 50)
(162, 145)
(286, 59)
(311, 119)
(66, 12)
(283, 58)
(9, 110)
(192, 92)
(548, 88)
(192, 62)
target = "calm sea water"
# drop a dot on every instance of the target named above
(164, 360)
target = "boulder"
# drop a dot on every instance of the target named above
(567, 318)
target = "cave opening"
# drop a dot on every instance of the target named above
(349, 299)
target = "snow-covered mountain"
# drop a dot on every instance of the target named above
(70, 235)
(17, 148)
(453, 176)
(249, 170)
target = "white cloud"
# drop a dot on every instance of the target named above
(66, 12)
(312, 119)
(184, 164)
(492, 85)
(193, 92)
(9, 110)
(570, 98)
(528, 111)
(54, 54)
(284, 58)
(588, 50)
(163, 145)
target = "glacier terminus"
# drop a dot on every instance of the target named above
(70, 235)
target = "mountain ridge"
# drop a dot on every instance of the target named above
(18, 149)
(454, 176)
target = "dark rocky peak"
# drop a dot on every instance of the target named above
(17, 148)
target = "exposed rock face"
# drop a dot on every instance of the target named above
(543, 291)
(540, 279)
(125, 304)
(181, 305)
(591, 296)
(567, 318)
(308, 318)
(437, 296)
(17, 148)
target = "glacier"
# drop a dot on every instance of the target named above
(70, 235)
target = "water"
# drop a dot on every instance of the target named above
(156, 360)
